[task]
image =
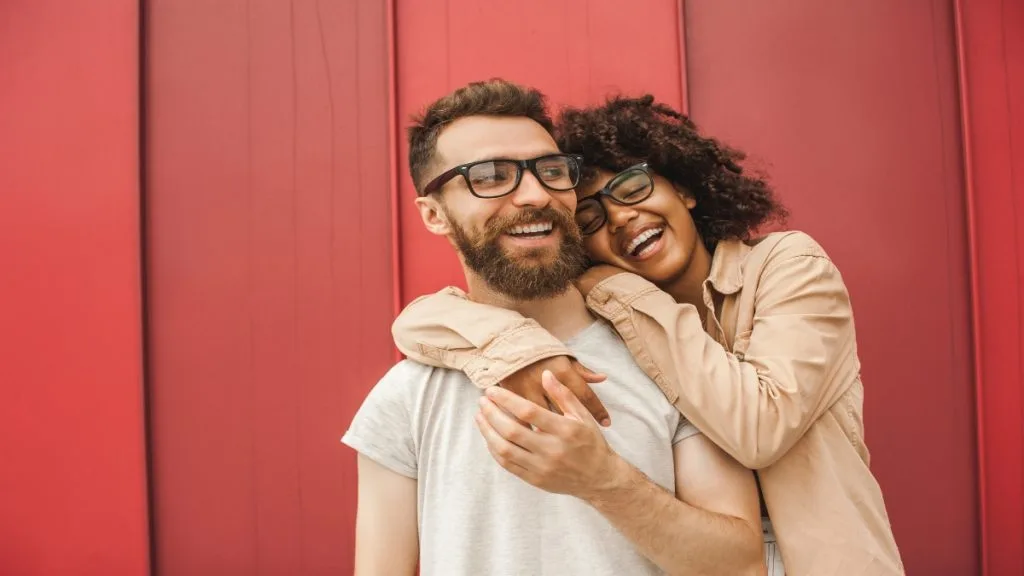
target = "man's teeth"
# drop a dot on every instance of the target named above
(641, 238)
(532, 228)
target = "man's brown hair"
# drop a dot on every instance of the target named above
(495, 97)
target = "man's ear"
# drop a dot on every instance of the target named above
(434, 216)
(688, 198)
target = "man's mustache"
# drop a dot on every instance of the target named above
(526, 216)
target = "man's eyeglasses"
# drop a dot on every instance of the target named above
(631, 186)
(499, 177)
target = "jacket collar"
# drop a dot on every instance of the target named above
(727, 266)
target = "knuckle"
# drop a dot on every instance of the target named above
(529, 412)
(576, 434)
(515, 435)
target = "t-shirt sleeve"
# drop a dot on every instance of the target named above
(382, 429)
(684, 430)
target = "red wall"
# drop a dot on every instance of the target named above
(73, 482)
(852, 108)
(269, 276)
(992, 99)
(272, 138)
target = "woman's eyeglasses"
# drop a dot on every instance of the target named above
(631, 186)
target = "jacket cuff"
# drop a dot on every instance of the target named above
(512, 351)
(611, 297)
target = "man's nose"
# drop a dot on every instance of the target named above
(531, 192)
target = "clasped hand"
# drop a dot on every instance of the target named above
(561, 453)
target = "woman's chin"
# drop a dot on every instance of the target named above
(658, 269)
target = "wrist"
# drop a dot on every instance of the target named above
(616, 478)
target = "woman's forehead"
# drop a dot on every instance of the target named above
(594, 180)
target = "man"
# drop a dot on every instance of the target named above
(469, 483)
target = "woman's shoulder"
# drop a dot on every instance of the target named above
(785, 245)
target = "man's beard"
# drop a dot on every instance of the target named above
(514, 275)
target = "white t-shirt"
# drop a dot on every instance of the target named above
(475, 518)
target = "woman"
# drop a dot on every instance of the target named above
(752, 340)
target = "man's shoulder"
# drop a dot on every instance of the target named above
(409, 378)
(406, 368)
(407, 371)
(404, 390)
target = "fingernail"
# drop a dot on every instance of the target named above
(606, 422)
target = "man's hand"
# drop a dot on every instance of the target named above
(563, 453)
(576, 377)
(594, 276)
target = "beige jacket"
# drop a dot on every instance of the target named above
(773, 378)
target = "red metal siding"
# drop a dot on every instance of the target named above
(852, 107)
(992, 101)
(269, 274)
(576, 52)
(72, 461)
(271, 280)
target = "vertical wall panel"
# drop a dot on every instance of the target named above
(992, 100)
(72, 461)
(269, 276)
(852, 108)
(576, 52)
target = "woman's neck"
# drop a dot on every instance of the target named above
(688, 286)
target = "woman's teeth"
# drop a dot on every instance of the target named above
(643, 241)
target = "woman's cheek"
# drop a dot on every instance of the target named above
(600, 251)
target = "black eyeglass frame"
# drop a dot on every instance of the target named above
(606, 192)
(521, 165)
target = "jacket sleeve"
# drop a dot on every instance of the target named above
(785, 372)
(487, 343)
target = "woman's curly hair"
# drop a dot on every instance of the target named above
(627, 131)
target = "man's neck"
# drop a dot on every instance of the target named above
(563, 316)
